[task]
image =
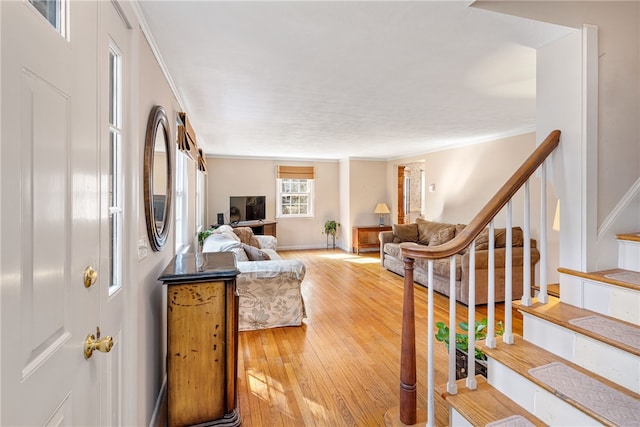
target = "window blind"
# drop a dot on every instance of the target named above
(202, 162)
(187, 137)
(296, 172)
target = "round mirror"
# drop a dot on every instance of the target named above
(157, 178)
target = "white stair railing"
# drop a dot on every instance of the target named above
(466, 240)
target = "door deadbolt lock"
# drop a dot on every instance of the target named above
(94, 342)
(90, 276)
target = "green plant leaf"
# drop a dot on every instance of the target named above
(462, 339)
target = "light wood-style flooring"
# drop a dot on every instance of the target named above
(342, 366)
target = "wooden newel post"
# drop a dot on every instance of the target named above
(408, 350)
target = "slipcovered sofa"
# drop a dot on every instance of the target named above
(268, 286)
(435, 233)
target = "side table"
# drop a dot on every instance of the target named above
(366, 236)
(202, 339)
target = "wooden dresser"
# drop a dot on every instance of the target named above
(202, 339)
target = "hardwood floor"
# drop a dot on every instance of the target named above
(342, 366)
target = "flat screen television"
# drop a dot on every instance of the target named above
(246, 208)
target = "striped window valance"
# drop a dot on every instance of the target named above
(296, 172)
(187, 137)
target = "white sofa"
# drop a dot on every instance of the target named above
(269, 290)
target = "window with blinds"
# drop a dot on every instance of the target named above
(295, 192)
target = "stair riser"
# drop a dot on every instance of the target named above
(613, 301)
(538, 401)
(607, 361)
(629, 255)
(620, 303)
(457, 420)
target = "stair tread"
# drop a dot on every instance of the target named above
(600, 276)
(524, 356)
(634, 237)
(561, 314)
(553, 289)
(486, 404)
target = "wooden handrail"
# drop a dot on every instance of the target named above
(490, 210)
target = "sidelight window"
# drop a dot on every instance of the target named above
(115, 171)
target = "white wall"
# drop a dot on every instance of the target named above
(150, 295)
(257, 177)
(345, 204)
(366, 189)
(346, 191)
(617, 145)
(466, 178)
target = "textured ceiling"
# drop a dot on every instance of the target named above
(340, 79)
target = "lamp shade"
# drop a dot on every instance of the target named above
(381, 208)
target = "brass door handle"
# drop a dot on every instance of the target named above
(94, 342)
(90, 277)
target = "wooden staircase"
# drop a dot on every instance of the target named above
(575, 365)
(606, 362)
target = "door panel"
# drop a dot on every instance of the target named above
(45, 120)
(49, 221)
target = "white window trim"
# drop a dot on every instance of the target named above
(280, 215)
(116, 209)
(180, 221)
(200, 201)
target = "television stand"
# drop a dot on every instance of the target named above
(259, 227)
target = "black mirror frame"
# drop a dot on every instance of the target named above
(157, 118)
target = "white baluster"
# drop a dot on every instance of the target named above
(472, 384)
(491, 304)
(431, 407)
(508, 281)
(526, 259)
(452, 387)
(543, 296)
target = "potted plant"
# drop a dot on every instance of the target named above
(331, 229)
(462, 345)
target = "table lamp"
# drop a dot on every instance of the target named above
(381, 208)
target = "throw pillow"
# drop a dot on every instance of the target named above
(427, 228)
(443, 235)
(246, 236)
(405, 233)
(517, 238)
(240, 254)
(255, 254)
(482, 241)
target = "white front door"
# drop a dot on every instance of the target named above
(52, 219)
